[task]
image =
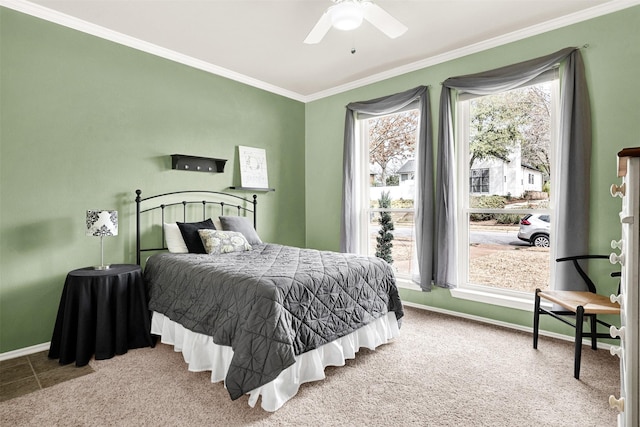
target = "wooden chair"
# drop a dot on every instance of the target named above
(578, 305)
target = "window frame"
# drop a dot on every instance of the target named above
(363, 185)
(482, 293)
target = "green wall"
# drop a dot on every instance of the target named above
(85, 122)
(612, 65)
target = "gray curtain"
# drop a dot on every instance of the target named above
(424, 176)
(446, 241)
(571, 182)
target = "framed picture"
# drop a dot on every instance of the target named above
(253, 167)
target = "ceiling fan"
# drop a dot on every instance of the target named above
(348, 15)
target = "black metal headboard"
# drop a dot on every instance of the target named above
(191, 197)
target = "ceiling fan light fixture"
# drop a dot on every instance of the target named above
(346, 16)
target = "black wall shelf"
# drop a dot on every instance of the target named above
(197, 164)
(252, 189)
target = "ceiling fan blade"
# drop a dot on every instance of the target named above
(382, 20)
(321, 28)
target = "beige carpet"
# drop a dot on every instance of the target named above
(441, 371)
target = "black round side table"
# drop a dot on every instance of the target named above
(101, 312)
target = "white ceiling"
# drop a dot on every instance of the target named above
(260, 42)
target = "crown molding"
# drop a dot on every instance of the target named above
(56, 17)
(534, 30)
(114, 36)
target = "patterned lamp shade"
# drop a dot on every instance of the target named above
(102, 223)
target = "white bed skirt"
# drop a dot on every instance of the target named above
(201, 354)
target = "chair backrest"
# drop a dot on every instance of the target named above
(574, 259)
(617, 274)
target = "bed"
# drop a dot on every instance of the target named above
(262, 317)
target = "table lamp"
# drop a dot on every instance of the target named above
(102, 223)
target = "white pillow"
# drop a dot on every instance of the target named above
(173, 238)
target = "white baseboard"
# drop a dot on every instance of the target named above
(25, 351)
(602, 345)
(45, 346)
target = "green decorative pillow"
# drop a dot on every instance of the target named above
(220, 242)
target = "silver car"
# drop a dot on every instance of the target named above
(534, 228)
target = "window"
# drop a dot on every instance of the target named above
(386, 156)
(479, 180)
(506, 154)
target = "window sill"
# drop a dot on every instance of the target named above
(520, 302)
(407, 284)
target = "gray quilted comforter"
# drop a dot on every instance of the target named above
(271, 303)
